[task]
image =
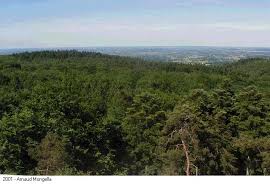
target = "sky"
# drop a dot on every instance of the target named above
(91, 23)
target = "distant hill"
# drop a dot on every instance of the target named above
(202, 55)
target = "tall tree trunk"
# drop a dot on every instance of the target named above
(187, 158)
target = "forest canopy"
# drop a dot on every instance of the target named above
(85, 113)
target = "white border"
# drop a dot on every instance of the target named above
(139, 180)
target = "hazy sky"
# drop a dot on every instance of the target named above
(82, 23)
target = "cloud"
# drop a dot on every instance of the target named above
(98, 32)
(190, 3)
(222, 3)
(242, 27)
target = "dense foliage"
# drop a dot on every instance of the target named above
(81, 113)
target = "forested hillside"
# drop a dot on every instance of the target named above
(81, 113)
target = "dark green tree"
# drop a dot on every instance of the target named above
(142, 127)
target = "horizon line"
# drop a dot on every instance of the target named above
(130, 46)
